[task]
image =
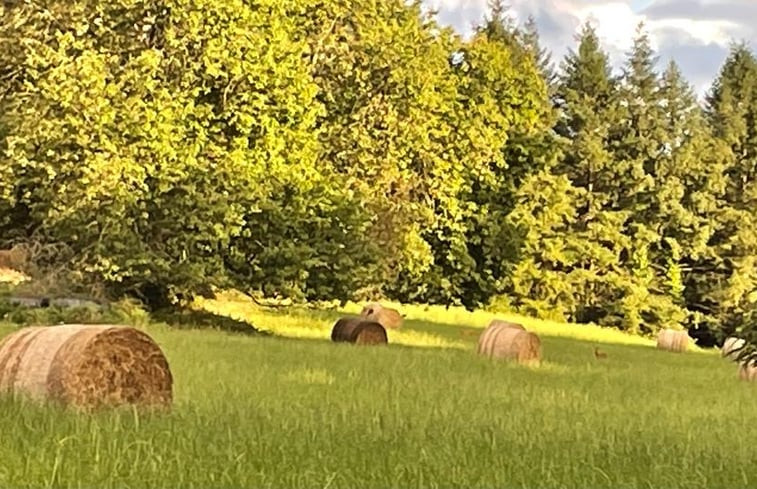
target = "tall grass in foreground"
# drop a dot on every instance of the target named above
(304, 413)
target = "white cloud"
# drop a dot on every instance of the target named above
(678, 29)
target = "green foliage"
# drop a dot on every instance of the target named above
(156, 148)
(336, 150)
(731, 110)
(503, 107)
(126, 312)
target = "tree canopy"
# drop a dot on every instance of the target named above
(335, 150)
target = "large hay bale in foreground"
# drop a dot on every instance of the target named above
(506, 324)
(505, 342)
(672, 340)
(86, 366)
(748, 371)
(385, 316)
(731, 347)
(359, 331)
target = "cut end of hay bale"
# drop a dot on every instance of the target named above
(385, 316)
(673, 340)
(359, 331)
(86, 366)
(504, 342)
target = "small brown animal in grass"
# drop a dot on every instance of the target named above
(598, 354)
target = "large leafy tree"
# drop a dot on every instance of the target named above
(384, 81)
(504, 111)
(162, 125)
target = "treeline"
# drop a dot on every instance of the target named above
(337, 149)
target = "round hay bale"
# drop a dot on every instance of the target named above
(385, 316)
(506, 324)
(673, 340)
(748, 372)
(358, 331)
(505, 342)
(86, 366)
(731, 347)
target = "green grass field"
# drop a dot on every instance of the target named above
(293, 410)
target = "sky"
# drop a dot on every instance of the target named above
(695, 33)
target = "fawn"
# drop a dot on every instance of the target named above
(599, 354)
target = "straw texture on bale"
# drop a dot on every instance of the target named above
(672, 340)
(506, 324)
(358, 331)
(385, 316)
(748, 372)
(86, 366)
(505, 342)
(731, 347)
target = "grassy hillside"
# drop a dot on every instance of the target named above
(301, 412)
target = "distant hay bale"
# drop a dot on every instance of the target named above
(506, 324)
(85, 366)
(386, 317)
(359, 331)
(748, 371)
(502, 341)
(731, 347)
(672, 340)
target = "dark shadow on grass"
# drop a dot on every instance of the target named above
(187, 319)
(465, 333)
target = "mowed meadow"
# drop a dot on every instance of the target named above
(293, 410)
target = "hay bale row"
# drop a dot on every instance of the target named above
(358, 331)
(672, 340)
(386, 317)
(510, 341)
(85, 366)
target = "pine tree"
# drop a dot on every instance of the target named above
(732, 112)
(689, 184)
(638, 146)
(588, 114)
(499, 25)
(542, 57)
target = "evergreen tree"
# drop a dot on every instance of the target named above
(499, 24)
(587, 95)
(689, 184)
(732, 112)
(638, 146)
(542, 57)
